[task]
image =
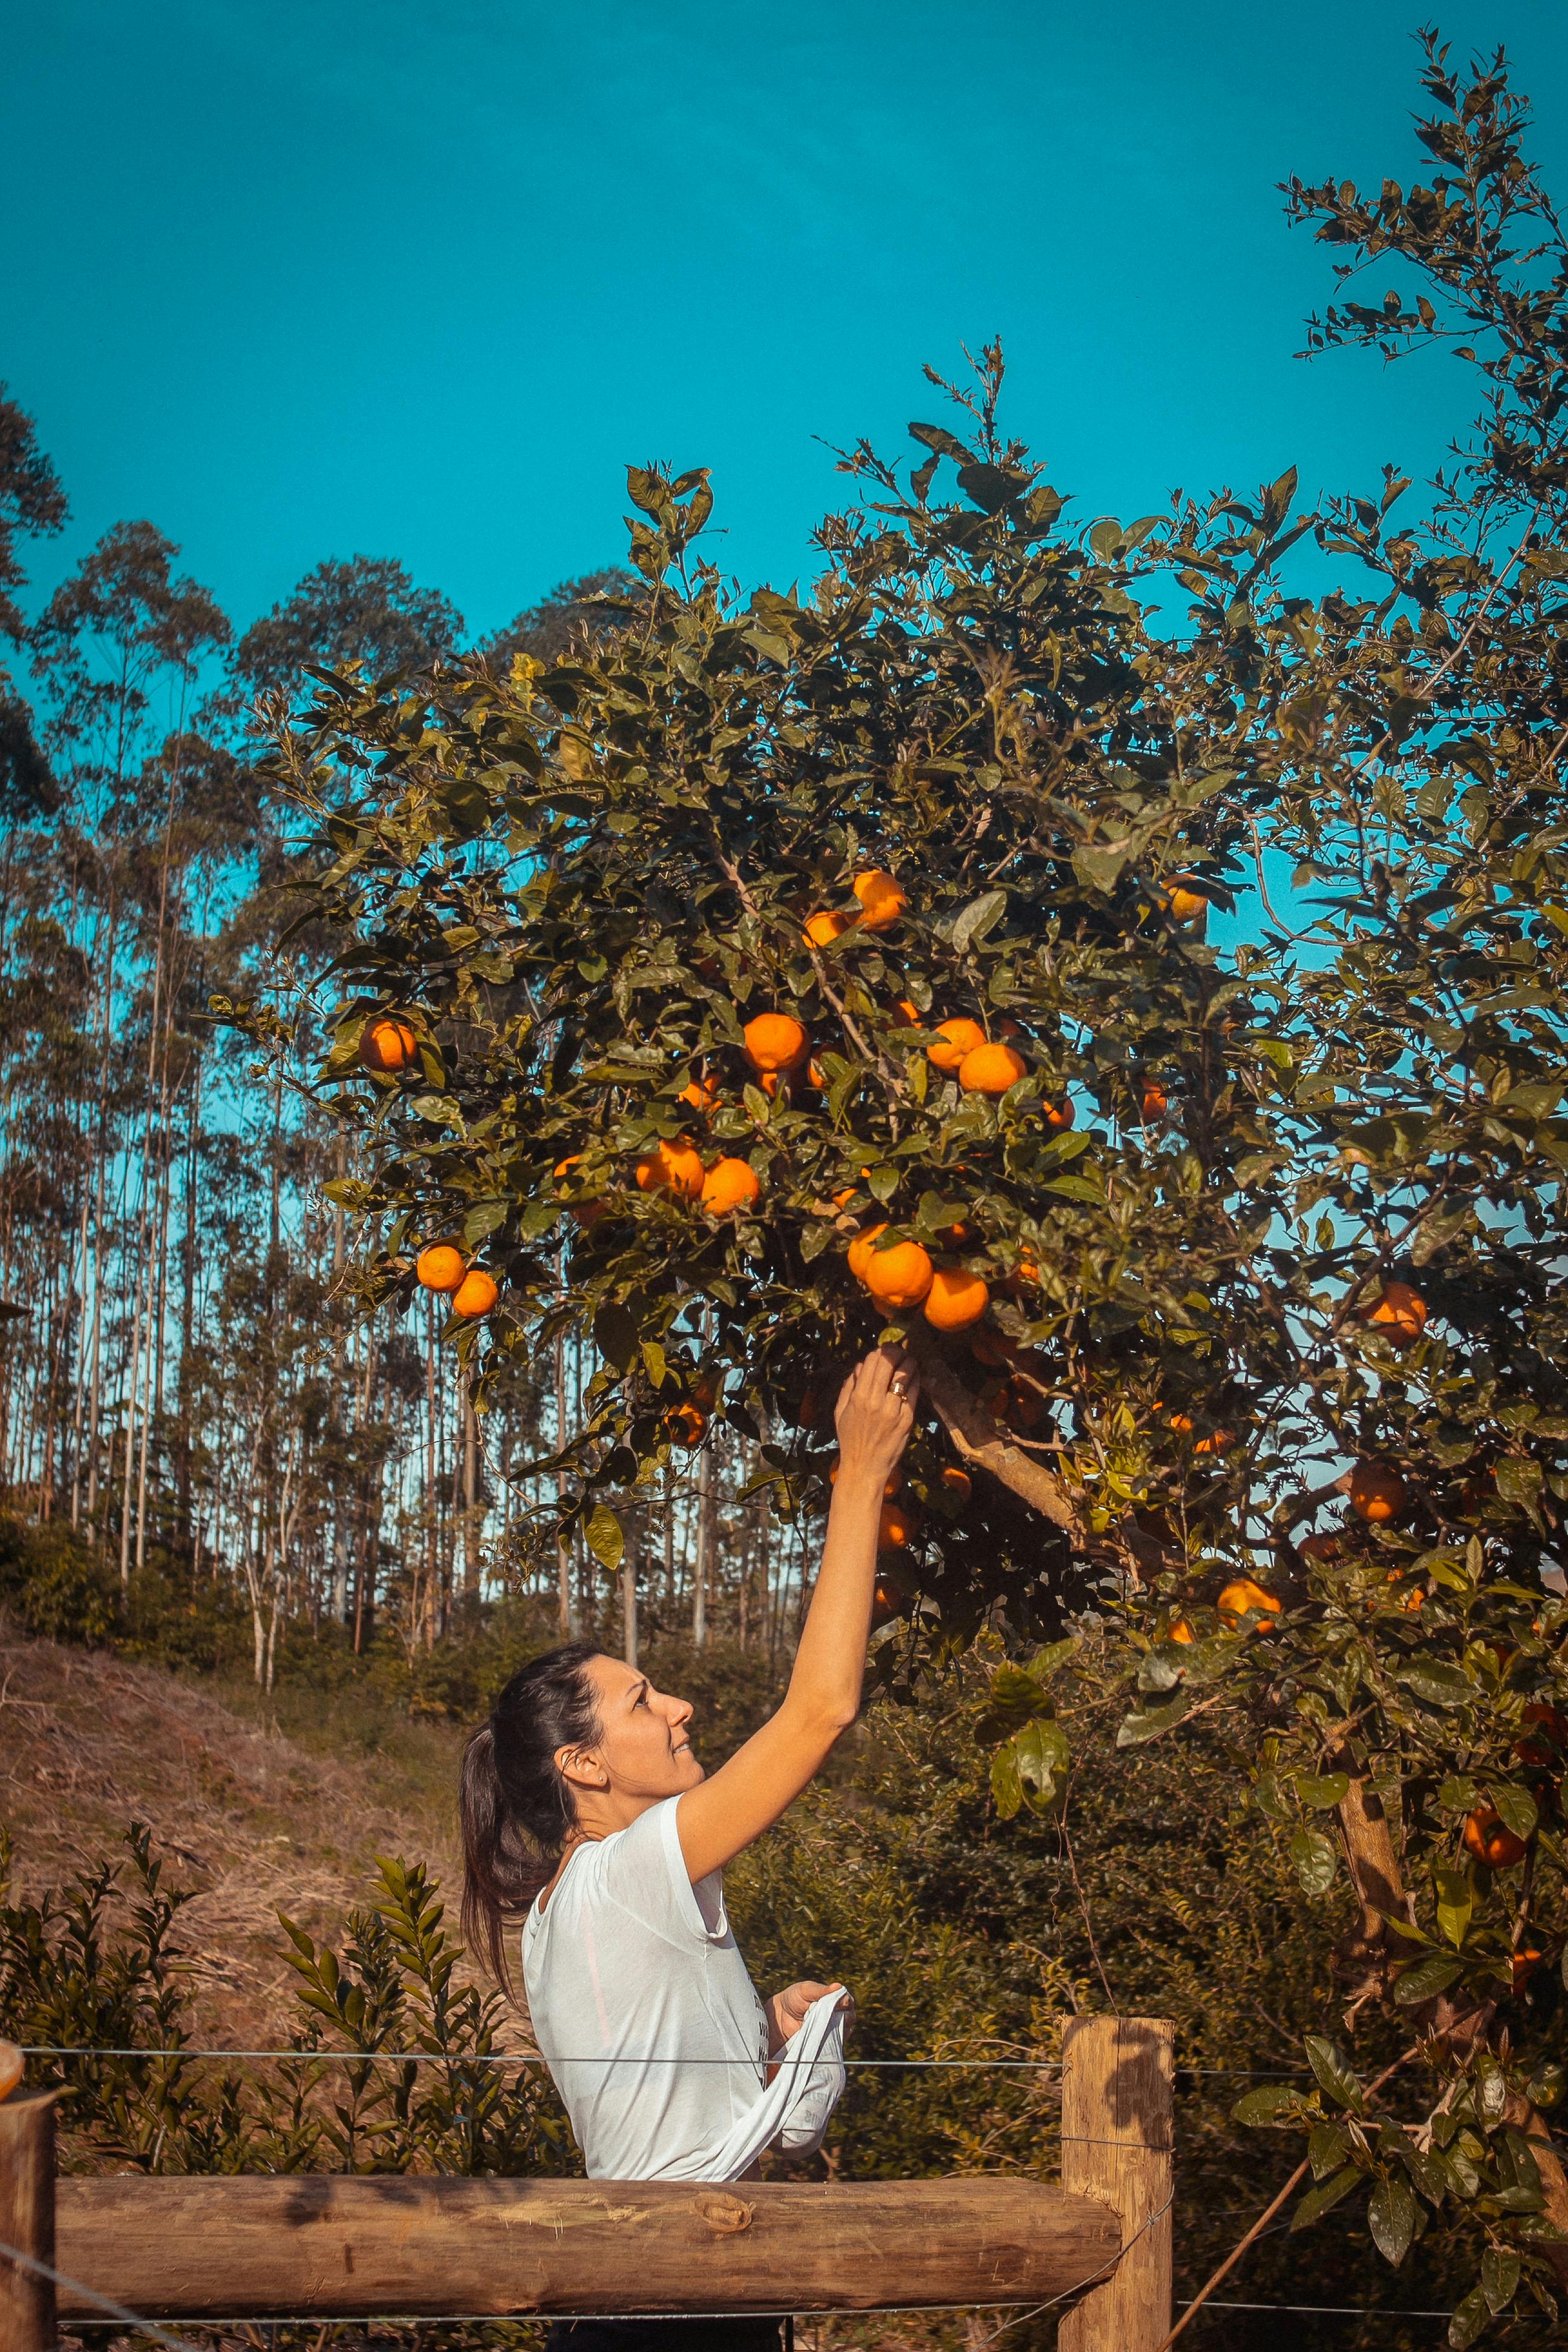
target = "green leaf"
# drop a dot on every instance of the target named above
(1391, 2216)
(1516, 1807)
(979, 917)
(1319, 2201)
(1334, 2072)
(1470, 2316)
(1134, 1729)
(1500, 2269)
(1257, 2108)
(606, 1540)
(1314, 1860)
(1437, 1682)
(616, 1335)
(1426, 1980)
(1320, 1794)
(1456, 1902)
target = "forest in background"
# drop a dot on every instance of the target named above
(201, 1436)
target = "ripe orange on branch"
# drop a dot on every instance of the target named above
(1400, 1312)
(1489, 1839)
(729, 1184)
(958, 1481)
(476, 1294)
(700, 1093)
(441, 1267)
(859, 1254)
(387, 1045)
(826, 926)
(587, 1212)
(990, 1070)
(1243, 1594)
(774, 1041)
(894, 1527)
(1187, 905)
(1061, 1114)
(883, 901)
(686, 1424)
(672, 1167)
(956, 1299)
(898, 1277)
(1378, 1495)
(953, 1040)
(1156, 1102)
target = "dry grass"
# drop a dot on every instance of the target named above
(260, 1821)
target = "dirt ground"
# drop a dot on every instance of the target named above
(259, 1822)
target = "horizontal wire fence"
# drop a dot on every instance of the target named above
(655, 2058)
(116, 2316)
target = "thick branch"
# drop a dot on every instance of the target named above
(979, 1440)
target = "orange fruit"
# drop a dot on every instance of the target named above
(774, 1041)
(729, 1185)
(1378, 1495)
(887, 1602)
(1401, 1312)
(1181, 1631)
(1553, 1747)
(860, 1249)
(700, 1093)
(387, 1045)
(894, 1527)
(1240, 1596)
(672, 1167)
(1524, 1965)
(826, 926)
(954, 1039)
(954, 1300)
(1187, 905)
(476, 1294)
(686, 1424)
(815, 1075)
(899, 1276)
(1059, 1114)
(1489, 1839)
(881, 899)
(958, 1481)
(1156, 1101)
(1216, 1441)
(1415, 1597)
(441, 1267)
(587, 1212)
(911, 1011)
(990, 1070)
(1320, 1547)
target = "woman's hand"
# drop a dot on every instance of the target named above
(786, 2010)
(874, 1414)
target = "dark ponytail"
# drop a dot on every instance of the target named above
(516, 1810)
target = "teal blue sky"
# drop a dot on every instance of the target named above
(297, 279)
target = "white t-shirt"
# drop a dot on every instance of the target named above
(631, 1963)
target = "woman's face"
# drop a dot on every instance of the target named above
(642, 1741)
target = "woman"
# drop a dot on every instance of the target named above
(585, 1812)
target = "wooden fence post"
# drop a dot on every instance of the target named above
(27, 2211)
(1117, 2124)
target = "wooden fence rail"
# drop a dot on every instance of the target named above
(320, 2246)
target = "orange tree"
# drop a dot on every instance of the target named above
(783, 970)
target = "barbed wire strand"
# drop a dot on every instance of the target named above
(117, 2314)
(657, 2058)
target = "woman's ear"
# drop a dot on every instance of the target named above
(581, 1768)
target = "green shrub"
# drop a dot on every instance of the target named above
(58, 1585)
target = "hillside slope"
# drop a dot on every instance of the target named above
(259, 1821)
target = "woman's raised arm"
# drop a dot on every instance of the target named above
(716, 1820)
